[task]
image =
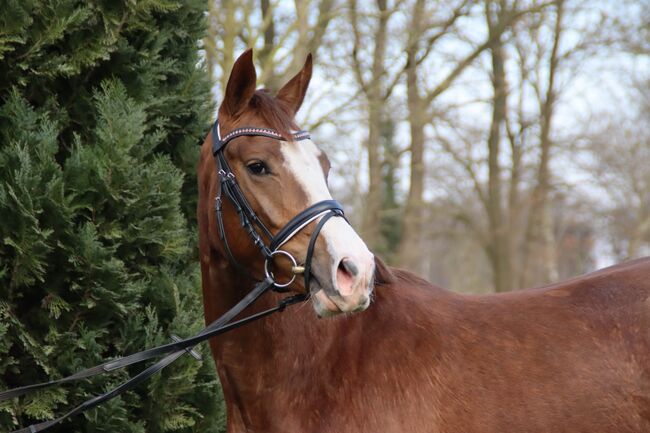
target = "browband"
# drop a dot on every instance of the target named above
(218, 142)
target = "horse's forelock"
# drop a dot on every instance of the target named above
(274, 112)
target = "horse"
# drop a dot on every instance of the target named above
(569, 357)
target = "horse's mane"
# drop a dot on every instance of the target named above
(274, 111)
(383, 274)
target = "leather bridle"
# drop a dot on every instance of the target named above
(325, 210)
(249, 220)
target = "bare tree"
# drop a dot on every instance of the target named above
(525, 60)
(452, 109)
(425, 31)
(428, 29)
(283, 35)
(376, 83)
(619, 163)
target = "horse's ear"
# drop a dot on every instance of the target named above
(241, 85)
(293, 93)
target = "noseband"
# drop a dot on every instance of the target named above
(249, 220)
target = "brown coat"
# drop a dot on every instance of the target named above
(573, 357)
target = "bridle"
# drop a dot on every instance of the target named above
(229, 187)
(251, 222)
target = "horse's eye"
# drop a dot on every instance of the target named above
(258, 168)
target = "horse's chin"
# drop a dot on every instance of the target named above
(323, 304)
(329, 306)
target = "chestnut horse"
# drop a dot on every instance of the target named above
(571, 357)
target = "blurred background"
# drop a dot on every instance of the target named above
(489, 145)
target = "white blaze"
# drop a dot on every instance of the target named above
(301, 159)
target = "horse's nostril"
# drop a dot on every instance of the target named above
(345, 277)
(349, 267)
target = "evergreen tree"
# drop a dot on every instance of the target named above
(102, 104)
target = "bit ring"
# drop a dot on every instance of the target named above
(270, 275)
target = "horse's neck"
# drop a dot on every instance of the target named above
(262, 342)
(271, 361)
(405, 304)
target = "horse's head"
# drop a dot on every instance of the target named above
(279, 179)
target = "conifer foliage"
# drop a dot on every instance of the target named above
(102, 104)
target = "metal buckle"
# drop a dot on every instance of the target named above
(269, 274)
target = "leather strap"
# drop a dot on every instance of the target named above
(302, 219)
(312, 244)
(144, 355)
(219, 142)
(249, 220)
(173, 351)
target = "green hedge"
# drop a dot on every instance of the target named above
(103, 104)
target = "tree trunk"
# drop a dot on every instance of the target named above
(228, 40)
(268, 20)
(371, 224)
(410, 248)
(539, 236)
(498, 249)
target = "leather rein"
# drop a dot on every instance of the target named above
(251, 223)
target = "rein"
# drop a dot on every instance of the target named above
(250, 222)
